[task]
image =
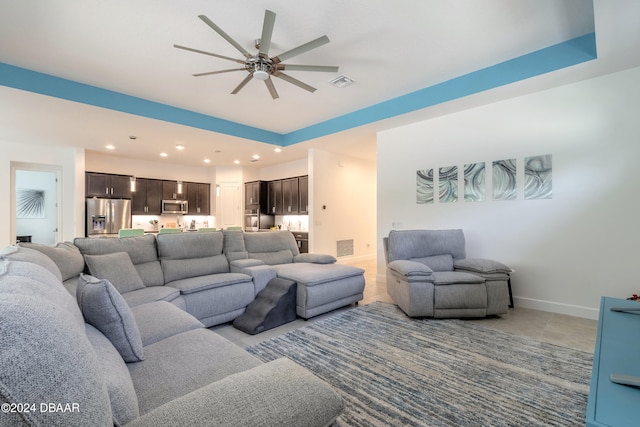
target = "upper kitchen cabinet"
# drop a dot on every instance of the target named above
(147, 199)
(290, 196)
(107, 185)
(170, 191)
(303, 191)
(198, 196)
(275, 197)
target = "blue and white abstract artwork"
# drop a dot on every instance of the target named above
(474, 182)
(537, 177)
(448, 184)
(504, 179)
(424, 186)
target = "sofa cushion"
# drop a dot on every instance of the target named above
(20, 253)
(201, 283)
(160, 319)
(190, 245)
(117, 268)
(124, 402)
(141, 249)
(66, 255)
(150, 294)
(183, 363)
(104, 307)
(315, 258)
(455, 277)
(284, 256)
(315, 274)
(46, 360)
(177, 269)
(30, 279)
(437, 262)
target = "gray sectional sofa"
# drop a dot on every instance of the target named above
(132, 347)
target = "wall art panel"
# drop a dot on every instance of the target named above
(424, 186)
(448, 184)
(537, 177)
(504, 179)
(474, 182)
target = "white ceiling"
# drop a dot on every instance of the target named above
(390, 48)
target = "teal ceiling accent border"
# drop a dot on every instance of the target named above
(566, 54)
(562, 55)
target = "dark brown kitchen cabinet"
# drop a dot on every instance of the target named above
(170, 191)
(303, 191)
(147, 199)
(275, 197)
(290, 196)
(107, 185)
(252, 193)
(198, 196)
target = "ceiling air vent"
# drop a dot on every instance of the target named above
(342, 81)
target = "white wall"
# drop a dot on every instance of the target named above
(342, 196)
(567, 251)
(71, 160)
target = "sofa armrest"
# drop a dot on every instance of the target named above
(260, 273)
(481, 265)
(278, 393)
(409, 268)
(315, 258)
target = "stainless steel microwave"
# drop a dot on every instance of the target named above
(175, 207)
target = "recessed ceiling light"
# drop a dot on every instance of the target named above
(277, 150)
(237, 162)
(179, 147)
(342, 81)
(110, 147)
(207, 161)
(255, 156)
(163, 154)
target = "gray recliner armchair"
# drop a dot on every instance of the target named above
(428, 275)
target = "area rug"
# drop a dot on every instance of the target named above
(393, 370)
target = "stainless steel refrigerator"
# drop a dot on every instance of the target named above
(106, 216)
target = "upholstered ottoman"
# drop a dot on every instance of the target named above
(323, 287)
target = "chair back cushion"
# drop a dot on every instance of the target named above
(425, 245)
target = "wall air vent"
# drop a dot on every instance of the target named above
(341, 81)
(345, 247)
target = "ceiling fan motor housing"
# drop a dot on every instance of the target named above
(261, 68)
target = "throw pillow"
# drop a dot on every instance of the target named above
(104, 308)
(117, 268)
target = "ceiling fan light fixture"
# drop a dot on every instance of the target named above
(260, 75)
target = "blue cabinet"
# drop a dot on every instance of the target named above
(617, 351)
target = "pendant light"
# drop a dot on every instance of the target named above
(179, 147)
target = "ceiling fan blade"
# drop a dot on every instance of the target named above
(321, 68)
(225, 35)
(272, 88)
(242, 84)
(301, 49)
(239, 61)
(296, 82)
(267, 31)
(219, 72)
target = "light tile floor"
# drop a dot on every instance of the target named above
(555, 328)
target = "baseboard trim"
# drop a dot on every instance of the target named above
(350, 259)
(556, 307)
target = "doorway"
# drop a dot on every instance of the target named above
(35, 203)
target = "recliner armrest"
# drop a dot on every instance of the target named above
(315, 258)
(481, 265)
(410, 269)
(278, 393)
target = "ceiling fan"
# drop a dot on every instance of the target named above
(260, 66)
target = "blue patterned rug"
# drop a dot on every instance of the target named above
(393, 370)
